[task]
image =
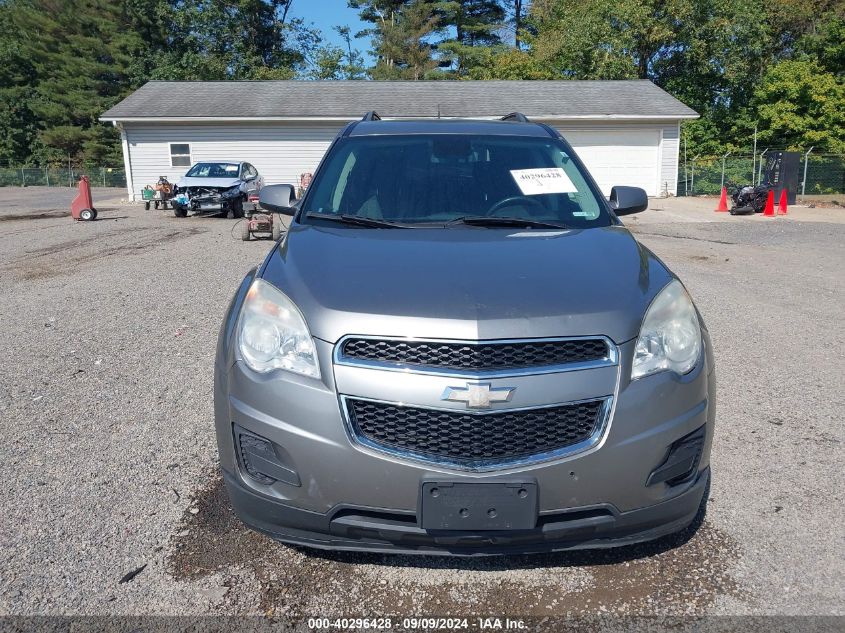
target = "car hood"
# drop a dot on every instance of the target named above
(467, 283)
(224, 183)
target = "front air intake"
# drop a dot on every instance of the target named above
(681, 463)
(262, 460)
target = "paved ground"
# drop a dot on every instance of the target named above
(108, 459)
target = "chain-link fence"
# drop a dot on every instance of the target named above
(14, 176)
(703, 175)
(825, 174)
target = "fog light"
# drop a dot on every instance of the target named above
(262, 461)
(682, 461)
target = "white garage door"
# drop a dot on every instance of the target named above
(619, 157)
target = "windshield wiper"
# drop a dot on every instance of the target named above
(358, 220)
(483, 220)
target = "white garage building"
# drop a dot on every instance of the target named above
(627, 132)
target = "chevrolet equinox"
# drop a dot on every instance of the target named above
(458, 348)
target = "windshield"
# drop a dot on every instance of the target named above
(442, 178)
(213, 170)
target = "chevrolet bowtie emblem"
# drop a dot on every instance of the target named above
(478, 395)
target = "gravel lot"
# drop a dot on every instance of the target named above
(109, 459)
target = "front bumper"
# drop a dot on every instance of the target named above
(347, 528)
(347, 496)
(207, 202)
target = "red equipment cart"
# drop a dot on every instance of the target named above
(259, 224)
(82, 207)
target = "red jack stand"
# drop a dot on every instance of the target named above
(82, 207)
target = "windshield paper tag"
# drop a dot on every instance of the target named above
(533, 182)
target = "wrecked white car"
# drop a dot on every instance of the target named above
(219, 187)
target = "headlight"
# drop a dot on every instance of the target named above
(670, 337)
(273, 335)
(234, 192)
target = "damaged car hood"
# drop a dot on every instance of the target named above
(467, 283)
(221, 183)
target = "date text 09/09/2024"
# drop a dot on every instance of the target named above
(431, 623)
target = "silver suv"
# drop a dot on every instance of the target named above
(458, 348)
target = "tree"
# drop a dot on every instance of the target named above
(383, 15)
(799, 104)
(717, 56)
(477, 24)
(64, 64)
(18, 123)
(334, 62)
(825, 42)
(233, 39)
(608, 39)
(400, 36)
(509, 63)
(353, 67)
(517, 21)
(327, 63)
(594, 50)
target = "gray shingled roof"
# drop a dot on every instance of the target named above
(350, 99)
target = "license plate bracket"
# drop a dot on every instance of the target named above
(470, 506)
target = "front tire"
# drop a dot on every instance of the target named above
(238, 208)
(180, 211)
(245, 234)
(87, 215)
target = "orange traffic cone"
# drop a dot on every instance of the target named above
(769, 212)
(723, 202)
(782, 203)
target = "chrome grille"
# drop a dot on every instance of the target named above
(475, 356)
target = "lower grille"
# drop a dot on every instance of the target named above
(471, 440)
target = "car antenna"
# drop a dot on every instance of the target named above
(515, 116)
(372, 115)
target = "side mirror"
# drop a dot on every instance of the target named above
(627, 200)
(277, 198)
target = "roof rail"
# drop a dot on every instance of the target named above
(372, 115)
(516, 116)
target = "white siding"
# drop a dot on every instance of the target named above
(669, 160)
(643, 154)
(280, 152)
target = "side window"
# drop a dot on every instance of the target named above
(180, 155)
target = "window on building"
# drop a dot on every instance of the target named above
(180, 155)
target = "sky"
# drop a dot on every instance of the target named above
(326, 14)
